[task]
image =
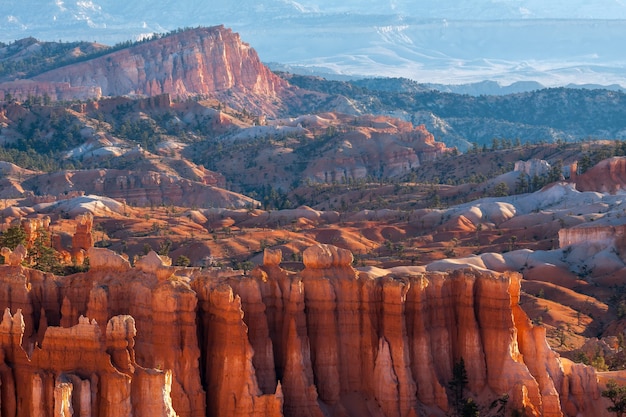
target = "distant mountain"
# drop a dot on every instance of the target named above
(446, 42)
(547, 114)
(403, 85)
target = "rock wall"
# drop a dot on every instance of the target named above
(157, 340)
(598, 235)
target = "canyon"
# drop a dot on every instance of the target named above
(186, 233)
(155, 339)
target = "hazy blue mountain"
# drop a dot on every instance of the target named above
(435, 41)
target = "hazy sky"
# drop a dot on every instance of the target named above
(429, 40)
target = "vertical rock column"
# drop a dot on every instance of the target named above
(506, 371)
(439, 316)
(232, 388)
(151, 393)
(13, 381)
(15, 294)
(300, 391)
(321, 263)
(63, 391)
(469, 343)
(274, 283)
(429, 389)
(298, 384)
(387, 386)
(166, 339)
(82, 397)
(394, 344)
(349, 327)
(371, 316)
(541, 361)
(258, 332)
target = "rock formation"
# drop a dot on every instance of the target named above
(82, 238)
(377, 146)
(160, 341)
(533, 167)
(14, 257)
(141, 188)
(78, 370)
(33, 228)
(203, 61)
(590, 234)
(608, 175)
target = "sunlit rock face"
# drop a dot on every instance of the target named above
(607, 176)
(156, 339)
(202, 61)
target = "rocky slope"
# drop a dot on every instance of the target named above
(138, 188)
(158, 150)
(319, 149)
(159, 340)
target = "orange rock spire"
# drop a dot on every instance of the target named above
(326, 341)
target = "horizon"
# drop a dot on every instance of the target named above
(556, 44)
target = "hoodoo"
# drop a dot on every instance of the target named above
(328, 340)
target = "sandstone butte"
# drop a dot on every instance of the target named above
(157, 340)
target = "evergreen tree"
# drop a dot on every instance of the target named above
(537, 182)
(556, 171)
(522, 184)
(182, 260)
(470, 409)
(617, 395)
(584, 164)
(12, 237)
(501, 190)
(42, 255)
(457, 385)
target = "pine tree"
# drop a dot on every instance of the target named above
(584, 164)
(522, 184)
(470, 409)
(501, 190)
(42, 255)
(457, 385)
(617, 395)
(12, 237)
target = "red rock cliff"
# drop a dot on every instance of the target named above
(328, 341)
(205, 61)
